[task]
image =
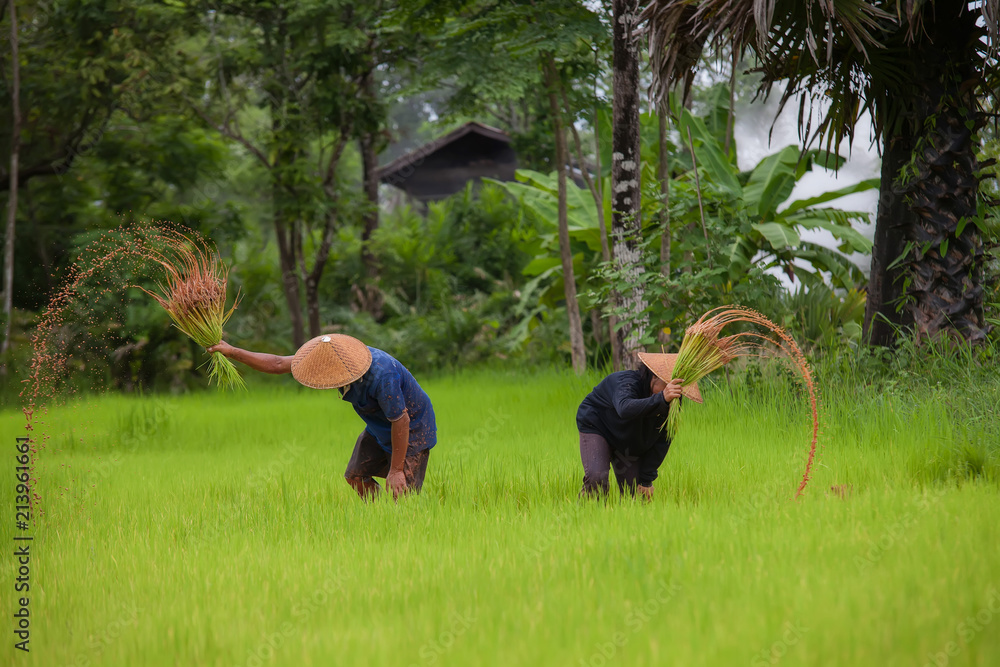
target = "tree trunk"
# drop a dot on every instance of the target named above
(370, 299)
(605, 249)
(577, 350)
(946, 290)
(595, 191)
(312, 306)
(283, 232)
(15, 149)
(311, 278)
(933, 198)
(665, 240)
(626, 226)
(885, 281)
(665, 232)
(289, 277)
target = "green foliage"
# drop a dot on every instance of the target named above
(224, 118)
(770, 232)
(492, 55)
(749, 231)
(537, 195)
(453, 284)
(823, 317)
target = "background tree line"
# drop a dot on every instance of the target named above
(261, 124)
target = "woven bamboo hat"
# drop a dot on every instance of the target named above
(662, 366)
(331, 361)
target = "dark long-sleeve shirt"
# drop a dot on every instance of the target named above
(623, 410)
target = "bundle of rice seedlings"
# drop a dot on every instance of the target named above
(194, 295)
(703, 351)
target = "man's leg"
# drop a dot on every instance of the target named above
(415, 467)
(626, 467)
(596, 457)
(367, 461)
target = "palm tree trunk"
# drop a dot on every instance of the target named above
(626, 225)
(883, 314)
(946, 290)
(928, 253)
(577, 351)
(15, 145)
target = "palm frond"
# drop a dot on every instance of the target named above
(849, 57)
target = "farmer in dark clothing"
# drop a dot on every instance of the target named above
(400, 429)
(620, 425)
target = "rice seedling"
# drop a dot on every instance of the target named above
(703, 351)
(194, 295)
(160, 551)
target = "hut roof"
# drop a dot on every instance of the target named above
(444, 166)
(417, 155)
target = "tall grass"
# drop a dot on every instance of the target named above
(217, 530)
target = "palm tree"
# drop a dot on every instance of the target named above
(921, 69)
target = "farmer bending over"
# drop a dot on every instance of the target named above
(399, 419)
(620, 425)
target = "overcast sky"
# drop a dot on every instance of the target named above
(753, 124)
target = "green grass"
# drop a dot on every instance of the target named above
(217, 530)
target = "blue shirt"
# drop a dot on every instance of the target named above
(382, 394)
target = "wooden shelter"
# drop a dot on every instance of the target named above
(443, 167)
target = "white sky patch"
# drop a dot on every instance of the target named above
(751, 129)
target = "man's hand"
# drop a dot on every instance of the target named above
(396, 482)
(672, 390)
(222, 346)
(645, 492)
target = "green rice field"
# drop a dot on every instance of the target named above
(217, 529)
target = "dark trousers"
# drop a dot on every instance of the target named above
(370, 460)
(598, 456)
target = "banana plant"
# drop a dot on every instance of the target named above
(539, 194)
(772, 233)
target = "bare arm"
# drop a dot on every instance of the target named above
(265, 363)
(396, 479)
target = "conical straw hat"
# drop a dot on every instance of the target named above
(331, 361)
(662, 366)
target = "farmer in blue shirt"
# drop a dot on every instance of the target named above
(399, 419)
